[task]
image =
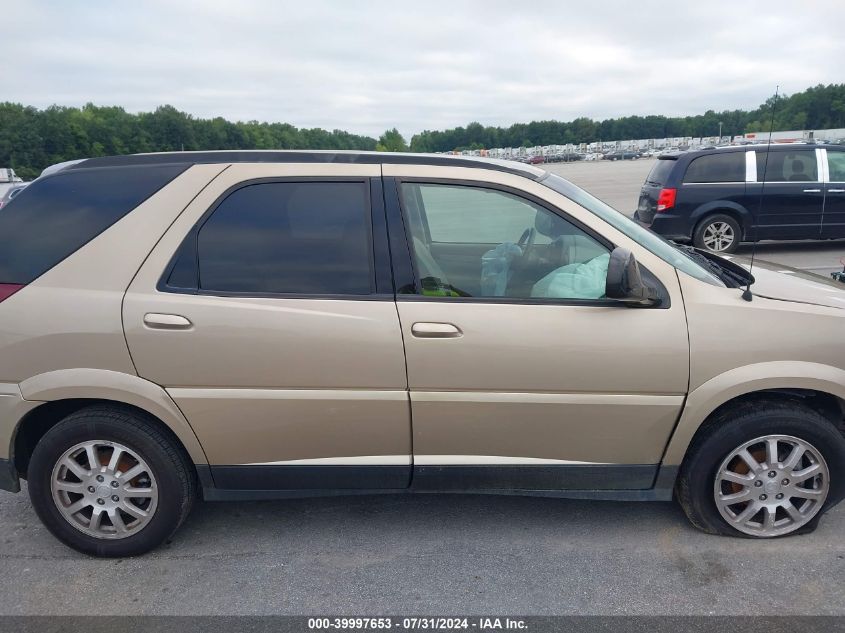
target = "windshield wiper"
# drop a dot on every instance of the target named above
(731, 277)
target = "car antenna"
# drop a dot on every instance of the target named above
(746, 294)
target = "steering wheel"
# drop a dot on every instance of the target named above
(526, 242)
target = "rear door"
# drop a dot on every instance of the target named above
(793, 198)
(833, 224)
(267, 313)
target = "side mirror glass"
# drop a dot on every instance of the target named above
(624, 281)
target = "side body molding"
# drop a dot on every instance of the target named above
(103, 384)
(743, 380)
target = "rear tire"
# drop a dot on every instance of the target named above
(718, 234)
(706, 485)
(140, 490)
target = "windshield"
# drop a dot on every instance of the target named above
(653, 242)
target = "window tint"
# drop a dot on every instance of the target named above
(55, 216)
(659, 174)
(721, 167)
(836, 164)
(288, 237)
(476, 242)
(790, 166)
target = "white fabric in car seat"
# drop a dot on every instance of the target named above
(584, 280)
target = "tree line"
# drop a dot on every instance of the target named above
(31, 139)
(819, 107)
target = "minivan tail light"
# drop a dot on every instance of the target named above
(666, 199)
(7, 290)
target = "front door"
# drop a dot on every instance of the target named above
(261, 314)
(793, 198)
(521, 374)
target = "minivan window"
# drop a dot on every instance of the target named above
(56, 215)
(659, 174)
(722, 167)
(288, 237)
(788, 166)
(836, 164)
(644, 237)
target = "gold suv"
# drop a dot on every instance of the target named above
(253, 325)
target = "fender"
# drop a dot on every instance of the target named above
(746, 218)
(103, 384)
(705, 399)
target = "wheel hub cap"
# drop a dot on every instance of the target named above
(771, 485)
(104, 489)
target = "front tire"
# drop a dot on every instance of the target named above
(718, 233)
(763, 469)
(107, 481)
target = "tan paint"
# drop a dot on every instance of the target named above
(738, 347)
(563, 384)
(117, 387)
(70, 316)
(271, 379)
(12, 408)
(587, 383)
(592, 428)
(250, 426)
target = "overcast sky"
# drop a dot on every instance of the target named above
(365, 66)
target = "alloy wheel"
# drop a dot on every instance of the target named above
(104, 489)
(772, 485)
(718, 236)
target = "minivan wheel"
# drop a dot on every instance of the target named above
(764, 469)
(718, 234)
(107, 482)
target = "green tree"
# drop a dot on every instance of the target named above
(392, 141)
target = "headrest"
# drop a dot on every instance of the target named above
(549, 225)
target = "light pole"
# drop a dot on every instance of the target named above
(720, 131)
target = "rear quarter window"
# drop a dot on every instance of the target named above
(726, 167)
(55, 216)
(659, 174)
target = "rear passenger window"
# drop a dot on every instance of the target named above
(836, 163)
(791, 166)
(722, 167)
(55, 216)
(288, 237)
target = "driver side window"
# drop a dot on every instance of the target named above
(471, 241)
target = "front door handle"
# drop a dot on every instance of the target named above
(812, 190)
(836, 190)
(166, 321)
(436, 330)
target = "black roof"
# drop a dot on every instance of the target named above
(297, 156)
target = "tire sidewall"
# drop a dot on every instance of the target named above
(58, 440)
(698, 237)
(701, 471)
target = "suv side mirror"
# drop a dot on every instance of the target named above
(624, 281)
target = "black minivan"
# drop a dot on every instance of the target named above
(716, 198)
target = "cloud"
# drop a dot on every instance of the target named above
(368, 65)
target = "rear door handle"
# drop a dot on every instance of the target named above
(166, 321)
(836, 190)
(812, 190)
(436, 330)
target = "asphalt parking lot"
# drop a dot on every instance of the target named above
(443, 555)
